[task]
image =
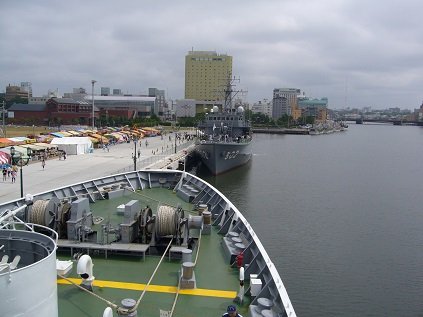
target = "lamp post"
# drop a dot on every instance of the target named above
(92, 99)
(3, 114)
(19, 159)
(134, 157)
(175, 141)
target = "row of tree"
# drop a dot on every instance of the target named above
(261, 119)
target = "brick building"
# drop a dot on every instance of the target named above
(70, 111)
(28, 114)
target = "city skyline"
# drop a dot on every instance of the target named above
(355, 53)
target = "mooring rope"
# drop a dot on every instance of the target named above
(89, 292)
(130, 310)
(114, 306)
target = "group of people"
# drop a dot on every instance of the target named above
(62, 154)
(10, 172)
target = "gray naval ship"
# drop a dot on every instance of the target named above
(226, 136)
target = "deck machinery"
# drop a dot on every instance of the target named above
(137, 226)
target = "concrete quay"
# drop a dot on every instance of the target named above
(281, 131)
(77, 168)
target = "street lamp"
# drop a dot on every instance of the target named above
(19, 159)
(134, 157)
(92, 98)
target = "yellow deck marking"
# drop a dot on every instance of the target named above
(155, 288)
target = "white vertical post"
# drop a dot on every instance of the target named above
(92, 96)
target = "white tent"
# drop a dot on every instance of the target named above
(73, 145)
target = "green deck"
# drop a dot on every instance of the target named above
(212, 272)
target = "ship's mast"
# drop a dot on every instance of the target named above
(230, 93)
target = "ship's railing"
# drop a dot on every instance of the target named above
(227, 140)
(279, 286)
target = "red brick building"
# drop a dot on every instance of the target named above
(57, 111)
(70, 111)
(28, 114)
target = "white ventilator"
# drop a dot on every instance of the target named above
(85, 270)
(108, 312)
(240, 297)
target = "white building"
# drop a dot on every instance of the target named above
(263, 106)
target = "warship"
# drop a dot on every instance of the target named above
(141, 243)
(225, 136)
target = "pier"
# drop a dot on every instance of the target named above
(280, 131)
(119, 159)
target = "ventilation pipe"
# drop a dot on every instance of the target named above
(85, 270)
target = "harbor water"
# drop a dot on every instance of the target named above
(341, 216)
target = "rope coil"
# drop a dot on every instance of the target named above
(38, 212)
(167, 221)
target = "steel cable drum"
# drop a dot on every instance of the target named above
(167, 221)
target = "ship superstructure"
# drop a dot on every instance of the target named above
(225, 135)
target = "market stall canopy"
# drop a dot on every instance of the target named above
(44, 138)
(5, 142)
(20, 139)
(99, 137)
(34, 147)
(74, 145)
(57, 134)
(46, 145)
(4, 157)
(94, 140)
(74, 133)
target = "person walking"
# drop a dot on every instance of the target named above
(43, 163)
(13, 176)
(4, 172)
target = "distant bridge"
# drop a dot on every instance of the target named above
(390, 121)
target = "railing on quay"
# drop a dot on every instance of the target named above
(151, 159)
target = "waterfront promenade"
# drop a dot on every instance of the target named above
(100, 163)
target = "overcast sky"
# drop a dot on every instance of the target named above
(355, 52)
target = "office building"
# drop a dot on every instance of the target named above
(284, 100)
(263, 106)
(27, 86)
(206, 74)
(105, 91)
(15, 92)
(316, 108)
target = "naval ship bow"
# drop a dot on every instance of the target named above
(225, 135)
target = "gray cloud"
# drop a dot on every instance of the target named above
(354, 52)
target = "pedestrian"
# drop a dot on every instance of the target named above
(139, 153)
(231, 312)
(4, 174)
(64, 155)
(13, 176)
(43, 163)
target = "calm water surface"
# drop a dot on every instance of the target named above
(341, 216)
